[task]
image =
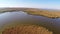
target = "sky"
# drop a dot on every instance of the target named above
(49, 4)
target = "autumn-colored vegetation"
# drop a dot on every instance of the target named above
(48, 14)
(26, 29)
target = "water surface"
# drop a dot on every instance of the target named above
(23, 17)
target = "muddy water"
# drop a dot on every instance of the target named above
(24, 18)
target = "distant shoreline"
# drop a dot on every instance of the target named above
(41, 12)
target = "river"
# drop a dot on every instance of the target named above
(23, 17)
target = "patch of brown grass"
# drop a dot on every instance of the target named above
(44, 13)
(26, 29)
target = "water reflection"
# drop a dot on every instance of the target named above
(22, 17)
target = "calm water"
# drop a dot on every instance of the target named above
(22, 17)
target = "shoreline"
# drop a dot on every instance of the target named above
(33, 11)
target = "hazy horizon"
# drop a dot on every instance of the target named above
(46, 4)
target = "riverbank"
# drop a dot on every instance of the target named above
(49, 14)
(41, 12)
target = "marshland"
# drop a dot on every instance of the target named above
(48, 19)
